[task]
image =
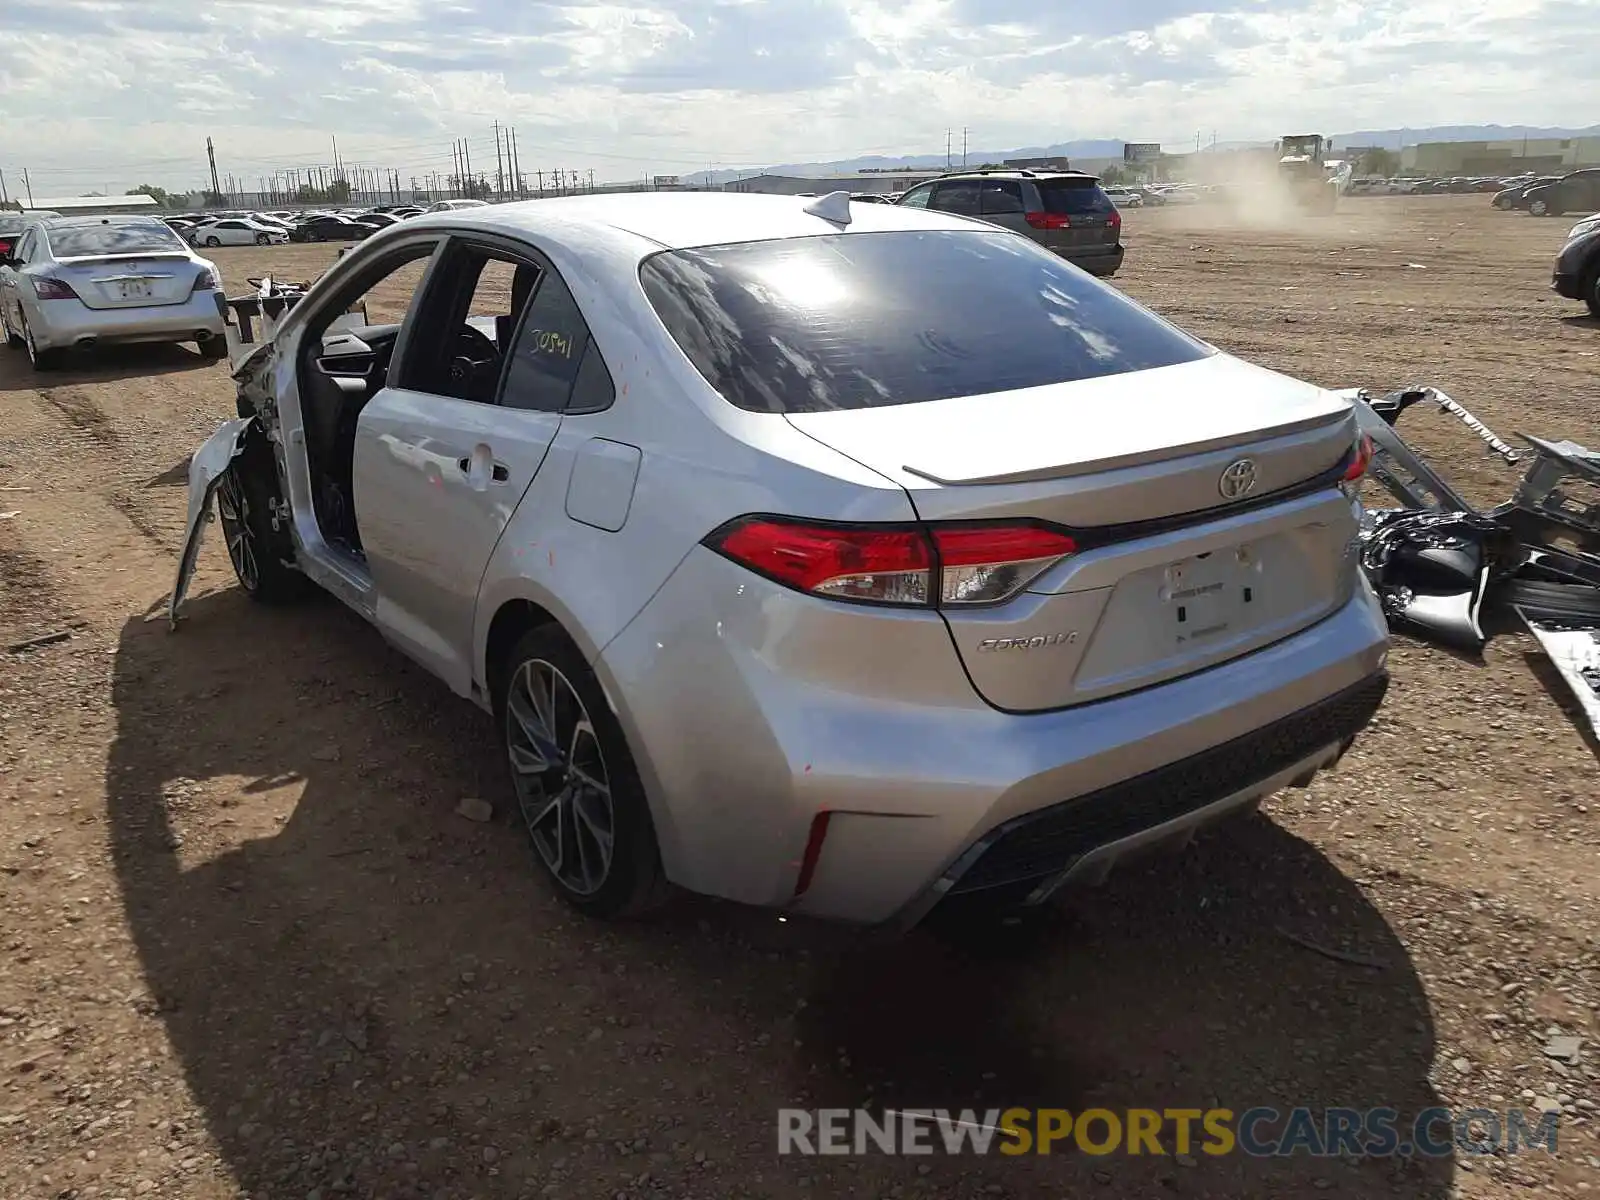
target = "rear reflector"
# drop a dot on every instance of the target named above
(46, 287)
(896, 565)
(813, 854)
(1358, 463)
(1048, 220)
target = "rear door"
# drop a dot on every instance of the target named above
(443, 458)
(1000, 201)
(1092, 220)
(1583, 192)
(958, 196)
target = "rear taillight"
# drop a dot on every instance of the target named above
(1048, 220)
(945, 565)
(205, 282)
(1358, 464)
(47, 287)
(1114, 221)
(5, 246)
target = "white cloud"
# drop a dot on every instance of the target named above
(126, 91)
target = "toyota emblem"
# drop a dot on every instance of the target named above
(1239, 480)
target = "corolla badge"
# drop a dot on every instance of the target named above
(1037, 642)
(1238, 480)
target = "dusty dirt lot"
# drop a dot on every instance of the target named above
(247, 948)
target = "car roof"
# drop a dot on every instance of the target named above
(1017, 173)
(680, 220)
(107, 219)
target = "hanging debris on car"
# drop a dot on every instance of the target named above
(1438, 561)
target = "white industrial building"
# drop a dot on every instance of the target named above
(88, 206)
(864, 181)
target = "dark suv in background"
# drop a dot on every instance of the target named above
(1577, 272)
(1064, 211)
(1578, 192)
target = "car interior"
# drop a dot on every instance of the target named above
(476, 293)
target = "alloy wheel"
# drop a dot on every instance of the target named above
(233, 507)
(563, 789)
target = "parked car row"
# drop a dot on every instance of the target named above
(324, 225)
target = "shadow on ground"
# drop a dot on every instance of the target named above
(372, 996)
(107, 364)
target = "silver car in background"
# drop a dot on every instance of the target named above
(853, 559)
(79, 282)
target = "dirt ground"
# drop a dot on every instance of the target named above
(248, 949)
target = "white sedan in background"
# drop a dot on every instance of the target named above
(237, 231)
(80, 282)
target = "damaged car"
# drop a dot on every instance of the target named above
(791, 574)
(1437, 560)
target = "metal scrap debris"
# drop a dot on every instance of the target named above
(1437, 561)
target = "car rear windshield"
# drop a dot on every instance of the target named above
(11, 225)
(80, 241)
(1075, 197)
(873, 319)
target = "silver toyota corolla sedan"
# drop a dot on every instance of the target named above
(843, 558)
(78, 282)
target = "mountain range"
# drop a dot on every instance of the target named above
(1091, 148)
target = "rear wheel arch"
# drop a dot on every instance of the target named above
(513, 619)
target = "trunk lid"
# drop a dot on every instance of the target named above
(129, 281)
(1091, 218)
(1172, 575)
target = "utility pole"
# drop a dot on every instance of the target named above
(499, 167)
(947, 149)
(591, 179)
(28, 183)
(963, 147)
(211, 154)
(516, 165)
(5, 198)
(539, 175)
(466, 157)
(338, 167)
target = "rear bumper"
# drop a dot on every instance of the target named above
(62, 324)
(1101, 262)
(751, 710)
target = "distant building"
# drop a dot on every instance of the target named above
(794, 185)
(1546, 156)
(75, 206)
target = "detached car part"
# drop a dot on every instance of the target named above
(1437, 560)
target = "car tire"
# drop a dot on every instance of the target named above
(262, 556)
(213, 243)
(1591, 291)
(590, 789)
(41, 360)
(1539, 208)
(262, 239)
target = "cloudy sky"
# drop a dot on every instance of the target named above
(108, 93)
